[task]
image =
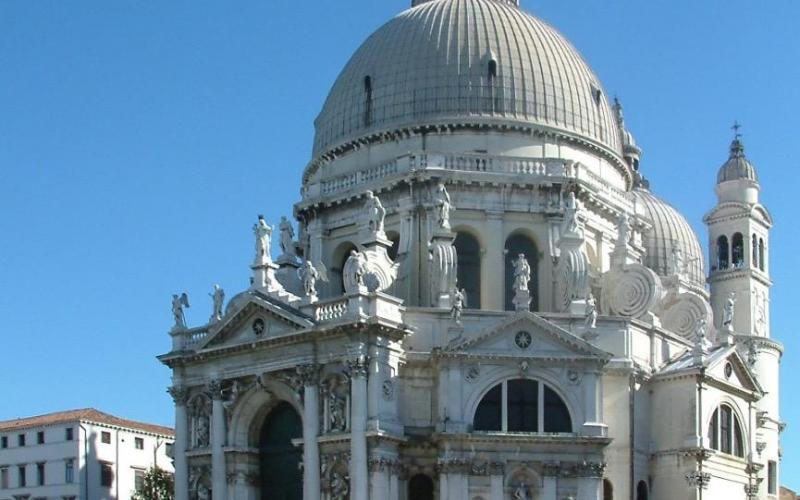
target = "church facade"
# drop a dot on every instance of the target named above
(478, 296)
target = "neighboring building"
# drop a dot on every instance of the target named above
(485, 299)
(787, 494)
(79, 454)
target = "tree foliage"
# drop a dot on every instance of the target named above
(158, 484)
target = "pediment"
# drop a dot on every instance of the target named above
(728, 209)
(731, 369)
(256, 317)
(528, 335)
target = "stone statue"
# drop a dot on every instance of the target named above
(677, 260)
(178, 303)
(336, 411)
(263, 234)
(375, 213)
(441, 200)
(309, 275)
(571, 208)
(623, 230)
(355, 270)
(459, 300)
(233, 395)
(339, 487)
(591, 312)
(521, 493)
(522, 273)
(287, 238)
(201, 431)
(218, 299)
(701, 334)
(729, 311)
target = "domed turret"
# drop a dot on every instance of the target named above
(737, 179)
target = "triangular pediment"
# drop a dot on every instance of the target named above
(731, 369)
(256, 316)
(528, 335)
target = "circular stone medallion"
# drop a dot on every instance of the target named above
(523, 340)
(258, 326)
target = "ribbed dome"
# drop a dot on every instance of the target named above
(466, 61)
(737, 167)
(670, 230)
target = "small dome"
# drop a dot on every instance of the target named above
(477, 62)
(670, 230)
(737, 167)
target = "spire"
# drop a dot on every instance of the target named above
(737, 147)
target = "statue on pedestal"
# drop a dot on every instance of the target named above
(459, 300)
(218, 299)
(355, 270)
(522, 273)
(309, 275)
(571, 208)
(623, 230)
(375, 214)
(590, 322)
(441, 200)
(287, 238)
(178, 303)
(263, 234)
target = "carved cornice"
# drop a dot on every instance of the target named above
(453, 466)
(384, 464)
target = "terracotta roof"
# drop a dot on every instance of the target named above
(84, 415)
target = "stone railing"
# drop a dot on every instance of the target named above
(347, 181)
(476, 162)
(188, 338)
(330, 309)
(584, 175)
(358, 307)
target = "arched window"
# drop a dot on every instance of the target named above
(641, 491)
(522, 405)
(608, 490)
(754, 259)
(394, 237)
(492, 71)
(468, 272)
(420, 487)
(725, 432)
(722, 252)
(762, 256)
(517, 244)
(367, 101)
(737, 250)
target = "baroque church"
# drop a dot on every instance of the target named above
(478, 296)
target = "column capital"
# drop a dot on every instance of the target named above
(214, 388)
(179, 393)
(309, 374)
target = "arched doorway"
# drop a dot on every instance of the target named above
(420, 487)
(281, 478)
(641, 491)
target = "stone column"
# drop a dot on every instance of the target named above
(379, 478)
(549, 482)
(359, 479)
(497, 473)
(492, 263)
(311, 478)
(219, 480)
(180, 395)
(590, 480)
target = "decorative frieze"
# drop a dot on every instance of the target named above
(214, 389)
(384, 464)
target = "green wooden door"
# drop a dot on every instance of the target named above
(281, 478)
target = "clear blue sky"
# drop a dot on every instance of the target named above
(138, 140)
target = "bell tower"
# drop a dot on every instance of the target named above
(738, 229)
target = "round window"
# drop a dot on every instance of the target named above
(258, 326)
(523, 340)
(728, 370)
